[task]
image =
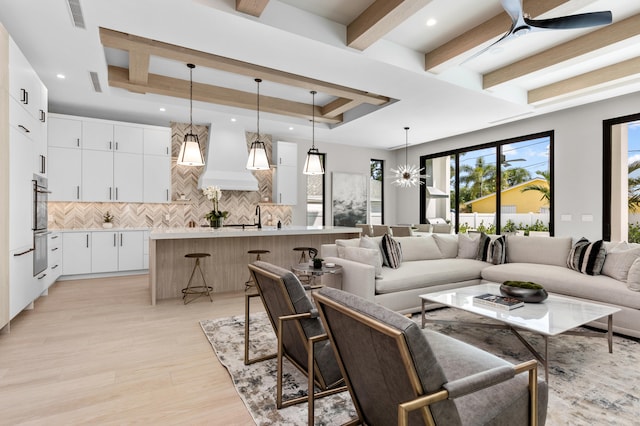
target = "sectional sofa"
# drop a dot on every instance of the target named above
(440, 261)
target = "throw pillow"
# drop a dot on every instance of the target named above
(447, 244)
(633, 278)
(618, 262)
(499, 250)
(587, 257)
(341, 244)
(391, 251)
(366, 256)
(484, 248)
(467, 246)
(370, 243)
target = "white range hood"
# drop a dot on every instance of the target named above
(226, 161)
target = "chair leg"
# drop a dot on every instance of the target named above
(247, 337)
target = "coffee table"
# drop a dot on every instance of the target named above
(556, 315)
(307, 270)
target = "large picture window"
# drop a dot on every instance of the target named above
(495, 188)
(376, 193)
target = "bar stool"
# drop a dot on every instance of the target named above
(303, 256)
(257, 252)
(200, 289)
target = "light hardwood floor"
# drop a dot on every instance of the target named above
(96, 352)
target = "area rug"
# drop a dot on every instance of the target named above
(587, 385)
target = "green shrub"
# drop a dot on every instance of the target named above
(634, 233)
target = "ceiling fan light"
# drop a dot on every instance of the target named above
(258, 157)
(313, 163)
(190, 153)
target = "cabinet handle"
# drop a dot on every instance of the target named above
(110, 144)
(78, 142)
(24, 96)
(87, 240)
(167, 195)
(114, 240)
(43, 116)
(280, 197)
(116, 193)
(121, 239)
(54, 249)
(24, 252)
(54, 237)
(43, 164)
(110, 192)
(24, 128)
(54, 266)
(78, 192)
(167, 150)
(42, 276)
(116, 146)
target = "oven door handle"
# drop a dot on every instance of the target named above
(43, 191)
(24, 252)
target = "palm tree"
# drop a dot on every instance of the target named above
(545, 190)
(634, 187)
(515, 176)
(479, 180)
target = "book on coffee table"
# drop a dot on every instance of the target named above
(498, 302)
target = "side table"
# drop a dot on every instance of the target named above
(307, 270)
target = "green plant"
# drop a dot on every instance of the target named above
(107, 217)
(634, 233)
(510, 226)
(463, 228)
(490, 230)
(523, 284)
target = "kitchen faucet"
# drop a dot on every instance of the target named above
(259, 219)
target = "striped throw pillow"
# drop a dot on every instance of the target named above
(391, 251)
(587, 257)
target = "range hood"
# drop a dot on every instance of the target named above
(226, 161)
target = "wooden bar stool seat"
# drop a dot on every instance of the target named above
(197, 290)
(249, 283)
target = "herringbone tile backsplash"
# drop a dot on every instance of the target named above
(184, 180)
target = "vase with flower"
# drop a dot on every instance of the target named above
(216, 216)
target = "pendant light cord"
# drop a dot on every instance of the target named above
(258, 81)
(191, 67)
(313, 119)
(406, 145)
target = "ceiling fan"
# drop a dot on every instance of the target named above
(507, 163)
(522, 24)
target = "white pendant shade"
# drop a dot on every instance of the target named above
(257, 157)
(313, 163)
(190, 154)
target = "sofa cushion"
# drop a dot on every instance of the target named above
(561, 280)
(468, 246)
(425, 273)
(419, 248)
(374, 244)
(366, 256)
(542, 250)
(392, 252)
(447, 244)
(633, 279)
(341, 244)
(587, 257)
(619, 259)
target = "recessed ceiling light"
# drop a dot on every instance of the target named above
(61, 76)
(431, 22)
(291, 128)
(233, 120)
(163, 109)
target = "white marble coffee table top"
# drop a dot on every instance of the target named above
(556, 315)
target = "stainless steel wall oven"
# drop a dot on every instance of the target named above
(40, 224)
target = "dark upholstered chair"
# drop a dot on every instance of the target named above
(301, 336)
(399, 374)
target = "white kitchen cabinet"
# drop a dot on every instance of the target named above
(24, 84)
(157, 141)
(54, 245)
(76, 253)
(145, 244)
(65, 174)
(106, 136)
(131, 250)
(285, 180)
(97, 176)
(128, 177)
(104, 252)
(40, 157)
(157, 179)
(23, 287)
(64, 132)
(20, 190)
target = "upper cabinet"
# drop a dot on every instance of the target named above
(119, 162)
(285, 180)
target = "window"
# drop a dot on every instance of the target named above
(376, 193)
(315, 197)
(462, 186)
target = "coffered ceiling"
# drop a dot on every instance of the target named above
(376, 64)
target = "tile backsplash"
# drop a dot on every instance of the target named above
(184, 180)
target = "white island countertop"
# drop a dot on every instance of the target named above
(224, 232)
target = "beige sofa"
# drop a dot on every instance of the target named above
(438, 262)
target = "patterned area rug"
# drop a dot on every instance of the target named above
(588, 386)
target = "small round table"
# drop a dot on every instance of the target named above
(307, 270)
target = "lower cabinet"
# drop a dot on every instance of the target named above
(23, 287)
(55, 258)
(103, 251)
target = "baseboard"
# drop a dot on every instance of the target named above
(101, 275)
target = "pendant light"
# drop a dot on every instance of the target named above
(258, 153)
(406, 175)
(313, 163)
(190, 153)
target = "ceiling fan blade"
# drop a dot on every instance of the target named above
(507, 35)
(583, 20)
(513, 9)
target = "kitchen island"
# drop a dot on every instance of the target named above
(226, 269)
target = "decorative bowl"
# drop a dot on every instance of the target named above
(527, 295)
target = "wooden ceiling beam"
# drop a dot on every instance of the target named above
(138, 66)
(593, 41)
(378, 19)
(177, 88)
(486, 31)
(128, 42)
(338, 106)
(608, 74)
(251, 7)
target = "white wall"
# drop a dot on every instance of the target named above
(342, 158)
(577, 156)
